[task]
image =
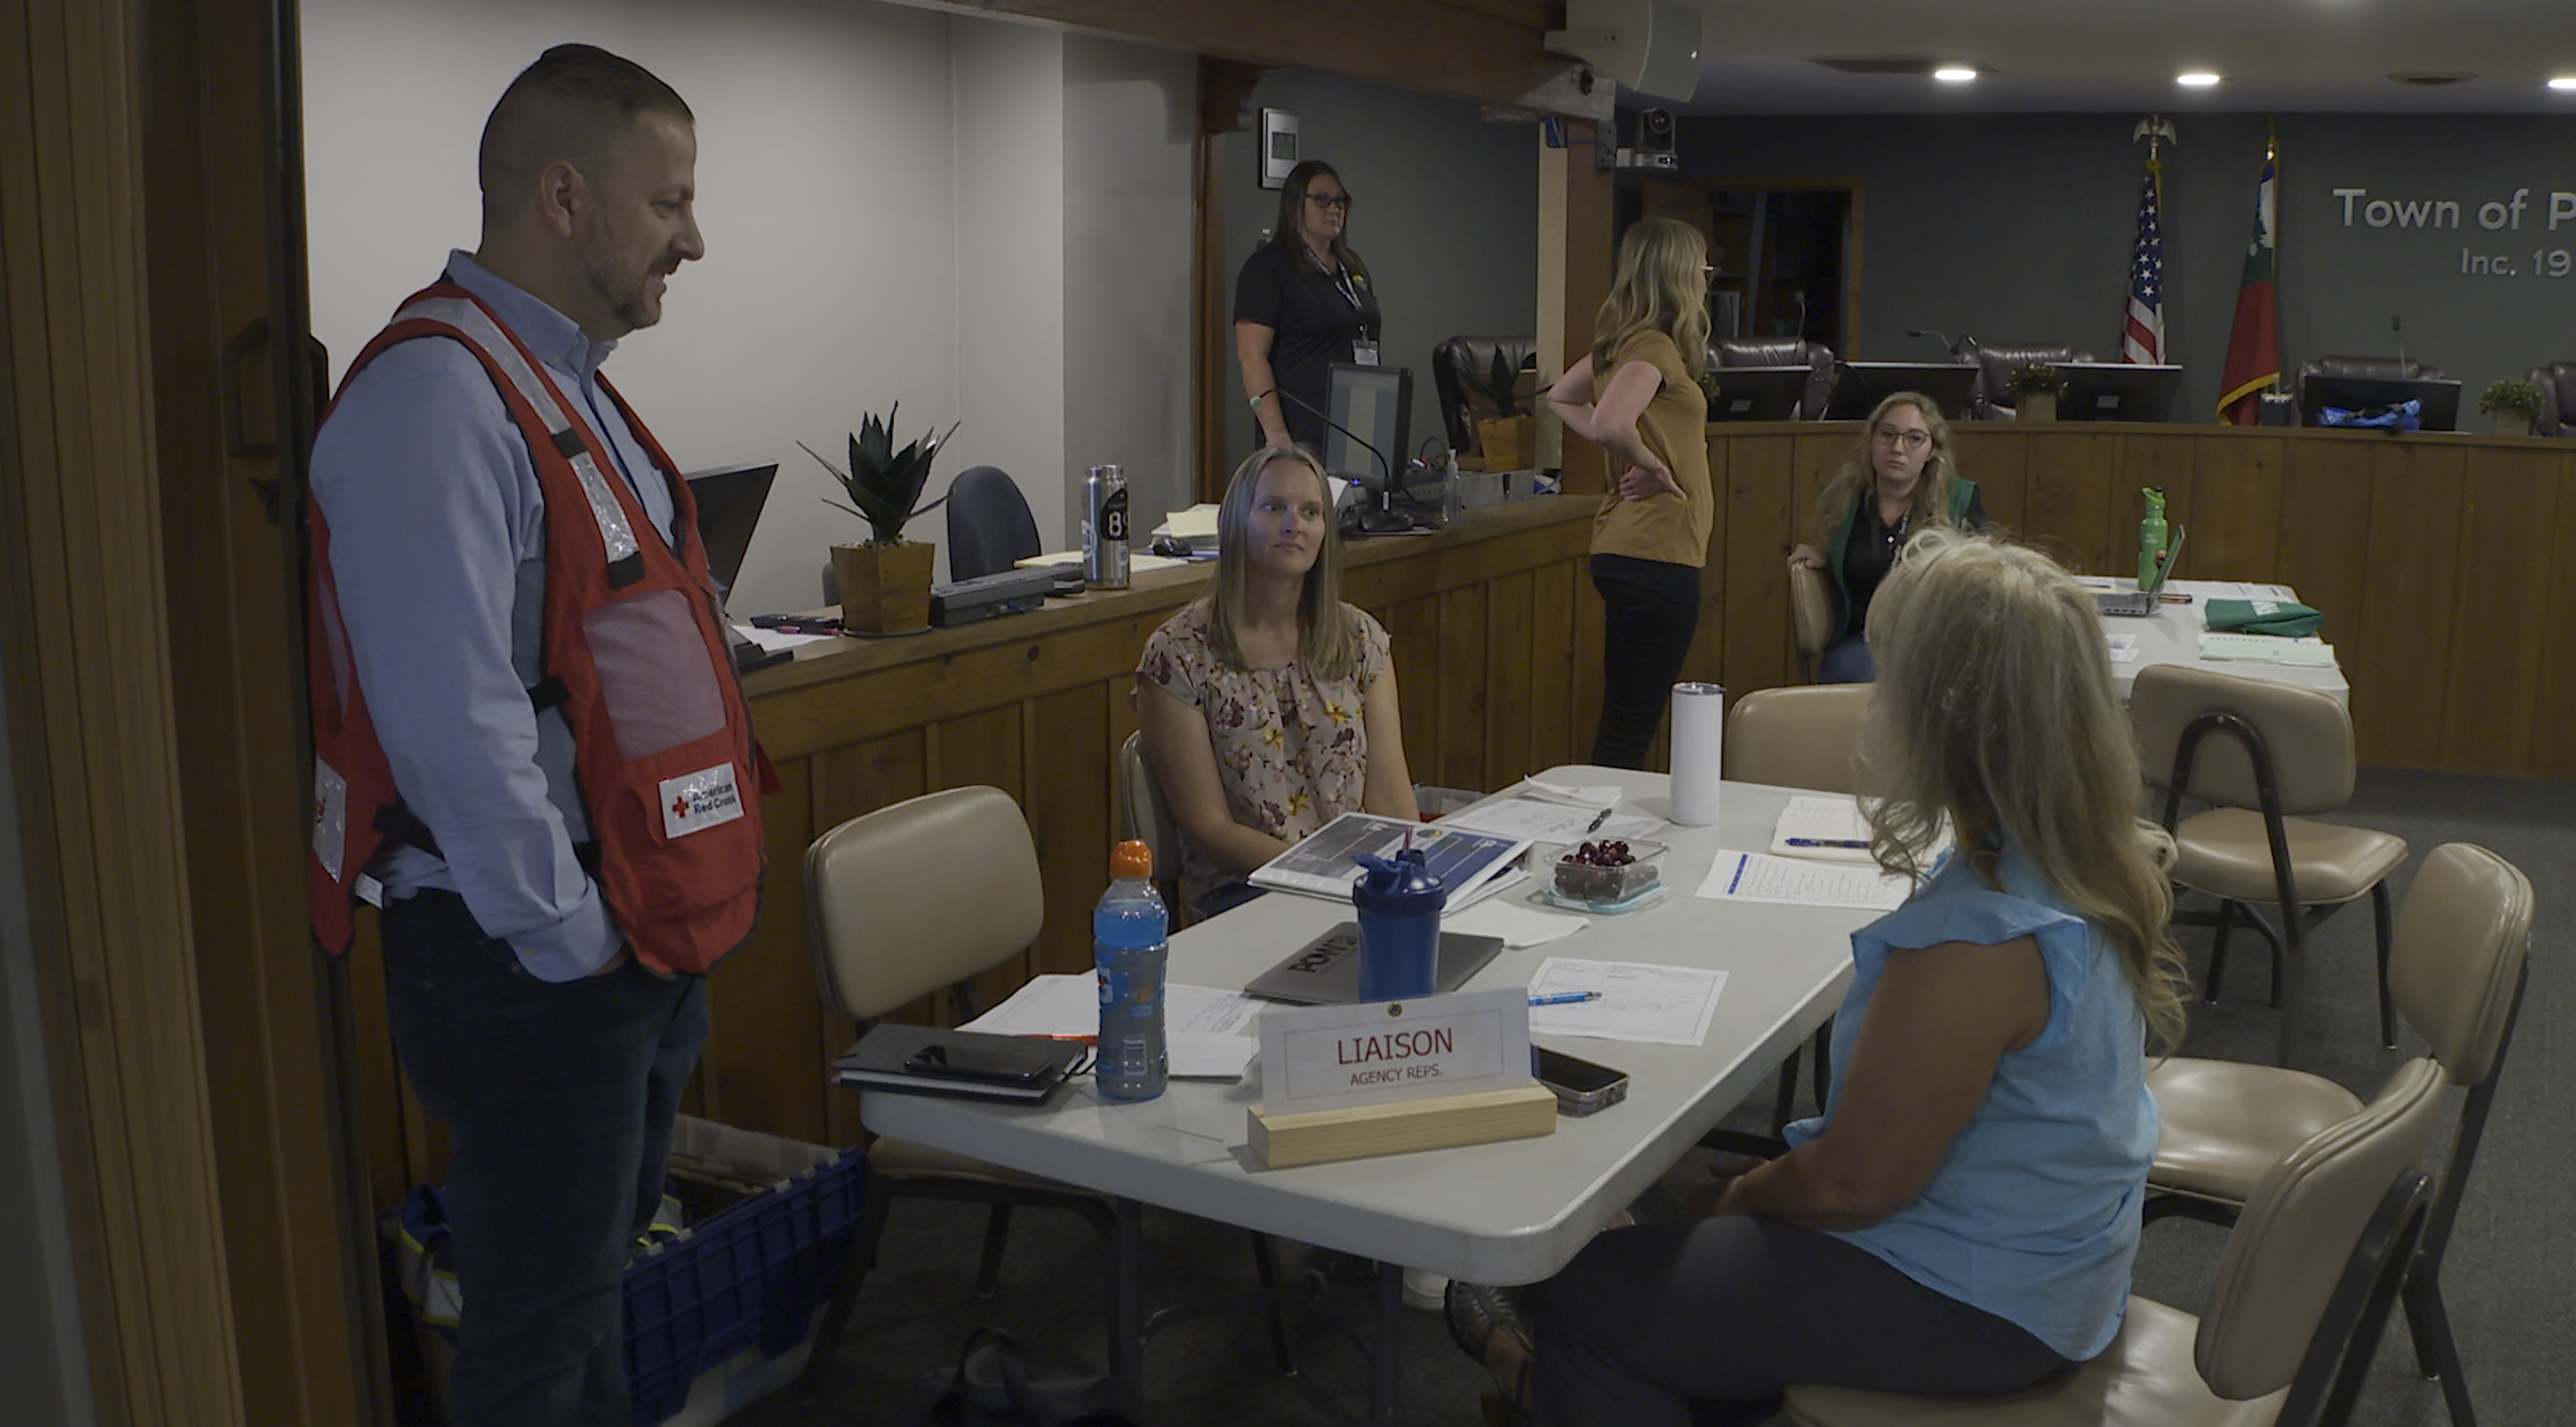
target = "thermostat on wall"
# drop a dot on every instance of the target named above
(1278, 146)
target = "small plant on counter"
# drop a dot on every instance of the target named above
(885, 484)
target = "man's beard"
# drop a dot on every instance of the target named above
(631, 298)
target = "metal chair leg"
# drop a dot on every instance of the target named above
(1785, 1103)
(1824, 1067)
(997, 1233)
(2218, 951)
(2290, 965)
(845, 1294)
(1265, 1264)
(2435, 1351)
(2381, 920)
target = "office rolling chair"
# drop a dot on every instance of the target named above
(2290, 1322)
(2457, 971)
(989, 525)
(1470, 355)
(2280, 753)
(1816, 357)
(1991, 397)
(2557, 383)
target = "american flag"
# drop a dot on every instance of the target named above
(2142, 339)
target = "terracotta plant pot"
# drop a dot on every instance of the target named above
(2036, 406)
(885, 589)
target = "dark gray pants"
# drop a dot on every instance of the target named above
(560, 1100)
(1732, 1311)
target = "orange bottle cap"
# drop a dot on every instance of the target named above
(1131, 858)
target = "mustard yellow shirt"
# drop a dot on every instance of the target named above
(1674, 425)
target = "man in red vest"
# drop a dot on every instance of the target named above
(532, 752)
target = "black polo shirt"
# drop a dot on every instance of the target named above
(1313, 325)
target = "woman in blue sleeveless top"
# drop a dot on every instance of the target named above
(1961, 1219)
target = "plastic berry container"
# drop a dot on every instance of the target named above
(1586, 880)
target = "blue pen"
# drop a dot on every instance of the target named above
(1564, 998)
(1825, 841)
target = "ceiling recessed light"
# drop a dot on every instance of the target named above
(1954, 74)
(2196, 80)
(2564, 81)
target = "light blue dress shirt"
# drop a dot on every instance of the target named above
(2033, 1215)
(438, 552)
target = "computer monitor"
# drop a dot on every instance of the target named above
(2441, 399)
(729, 500)
(1374, 404)
(2118, 391)
(1758, 393)
(1860, 386)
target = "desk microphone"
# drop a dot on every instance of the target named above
(1965, 343)
(1383, 518)
(2397, 324)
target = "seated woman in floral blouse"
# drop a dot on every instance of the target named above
(1267, 705)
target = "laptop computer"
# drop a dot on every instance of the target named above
(2144, 600)
(1326, 971)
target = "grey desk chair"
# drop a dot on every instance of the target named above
(989, 525)
(2290, 1322)
(1815, 616)
(2457, 972)
(1803, 737)
(2265, 755)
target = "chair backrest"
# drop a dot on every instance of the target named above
(1816, 357)
(2307, 733)
(1996, 362)
(1143, 815)
(1807, 736)
(989, 525)
(1458, 406)
(1815, 610)
(2557, 383)
(2455, 962)
(921, 895)
(2288, 1249)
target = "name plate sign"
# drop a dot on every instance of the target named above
(1384, 1052)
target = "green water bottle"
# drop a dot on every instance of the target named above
(2151, 537)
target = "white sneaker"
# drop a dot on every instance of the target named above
(1425, 1290)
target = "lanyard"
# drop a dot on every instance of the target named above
(1340, 277)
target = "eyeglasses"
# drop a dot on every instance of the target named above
(1341, 201)
(1907, 440)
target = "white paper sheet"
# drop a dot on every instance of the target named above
(1517, 924)
(2267, 649)
(1825, 824)
(1664, 1005)
(2124, 648)
(1759, 877)
(1068, 1004)
(1199, 1055)
(770, 639)
(1541, 820)
(1594, 797)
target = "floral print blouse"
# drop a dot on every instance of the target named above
(1291, 749)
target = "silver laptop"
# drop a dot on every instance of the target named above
(2142, 602)
(1326, 971)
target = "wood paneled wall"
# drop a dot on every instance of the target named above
(2435, 560)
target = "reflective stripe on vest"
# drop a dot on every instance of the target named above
(470, 318)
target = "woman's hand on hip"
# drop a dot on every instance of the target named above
(1645, 481)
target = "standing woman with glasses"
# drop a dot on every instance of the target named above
(1899, 478)
(1637, 395)
(1302, 303)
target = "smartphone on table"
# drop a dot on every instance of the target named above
(1581, 1086)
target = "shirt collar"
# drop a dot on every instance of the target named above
(557, 340)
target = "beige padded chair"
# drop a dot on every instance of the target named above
(2282, 752)
(1815, 615)
(1800, 737)
(2290, 1321)
(903, 902)
(1145, 817)
(2457, 972)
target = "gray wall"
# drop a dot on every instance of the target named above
(1444, 209)
(2018, 227)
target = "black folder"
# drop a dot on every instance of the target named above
(893, 1057)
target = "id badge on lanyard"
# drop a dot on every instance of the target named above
(1363, 346)
(1364, 351)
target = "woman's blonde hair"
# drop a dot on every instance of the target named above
(1994, 709)
(1325, 644)
(1661, 286)
(1931, 503)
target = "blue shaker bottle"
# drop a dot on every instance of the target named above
(1399, 903)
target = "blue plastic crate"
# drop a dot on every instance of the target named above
(749, 1276)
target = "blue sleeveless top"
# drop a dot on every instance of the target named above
(2033, 1214)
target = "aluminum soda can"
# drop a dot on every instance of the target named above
(1104, 528)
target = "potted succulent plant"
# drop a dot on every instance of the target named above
(2035, 388)
(1506, 432)
(2511, 404)
(885, 581)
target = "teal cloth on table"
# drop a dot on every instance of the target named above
(2265, 617)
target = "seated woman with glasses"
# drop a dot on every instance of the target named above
(1303, 302)
(1899, 478)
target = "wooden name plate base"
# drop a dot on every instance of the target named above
(1359, 1131)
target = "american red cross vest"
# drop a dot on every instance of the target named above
(636, 657)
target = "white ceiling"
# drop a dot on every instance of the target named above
(2077, 56)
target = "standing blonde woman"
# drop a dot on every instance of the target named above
(1899, 478)
(1637, 396)
(1268, 706)
(1961, 1219)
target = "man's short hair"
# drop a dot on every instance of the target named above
(568, 105)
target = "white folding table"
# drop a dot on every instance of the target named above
(2172, 636)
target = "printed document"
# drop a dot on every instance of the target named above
(1321, 865)
(1665, 1005)
(1822, 829)
(1538, 820)
(1759, 877)
(2267, 649)
(1067, 1006)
